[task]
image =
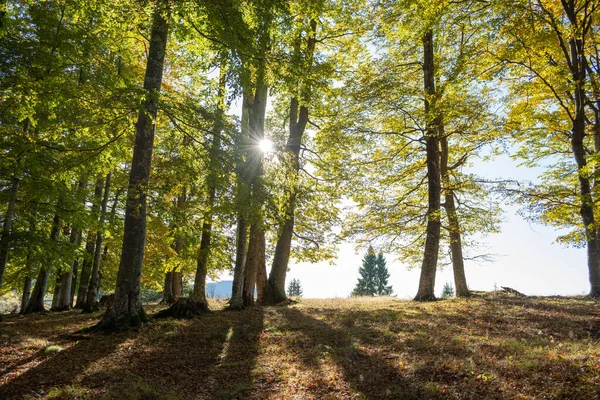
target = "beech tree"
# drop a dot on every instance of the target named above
(126, 309)
(550, 47)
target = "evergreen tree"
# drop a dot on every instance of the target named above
(367, 285)
(381, 277)
(447, 290)
(294, 288)
(374, 276)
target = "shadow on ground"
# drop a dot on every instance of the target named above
(354, 349)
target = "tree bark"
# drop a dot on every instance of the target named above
(168, 289)
(237, 287)
(458, 264)
(75, 271)
(177, 285)
(126, 310)
(6, 226)
(91, 300)
(26, 283)
(254, 262)
(177, 281)
(36, 301)
(261, 282)
(90, 246)
(432, 240)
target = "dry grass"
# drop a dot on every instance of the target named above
(483, 348)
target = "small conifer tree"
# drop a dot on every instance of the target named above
(447, 290)
(294, 288)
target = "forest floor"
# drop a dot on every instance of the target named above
(494, 347)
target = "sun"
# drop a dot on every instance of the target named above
(265, 145)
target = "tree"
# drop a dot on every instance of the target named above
(447, 290)
(381, 277)
(550, 52)
(126, 309)
(294, 288)
(374, 276)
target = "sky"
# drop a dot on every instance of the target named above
(526, 258)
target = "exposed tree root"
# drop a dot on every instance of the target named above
(183, 308)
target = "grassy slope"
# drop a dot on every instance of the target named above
(493, 348)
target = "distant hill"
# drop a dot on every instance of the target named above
(219, 290)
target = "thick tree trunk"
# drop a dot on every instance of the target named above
(126, 310)
(28, 273)
(168, 289)
(75, 272)
(177, 285)
(56, 293)
(261, 282)
(432, 239)
(26, 293)
(6, 226)
(90, 247)
(199, 291)
(254, 262)
(275, 289)
(237, 287)
(91, 299)
(36, 301)
(62, 294)
(458, 264)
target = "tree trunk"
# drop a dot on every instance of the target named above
(577, 144)
(261, 282)
(177, 285)
(26, 293)
(126, 309)
(6, 227)
(199, 291)
(91, 300)
(90, 247)
(432, 240)
(74, 272)
(458, 264)
(168, 289)
(56, 293)
(27, 282)
(237, 286)
(177, 281)
(254, 262)
(298, 117)
(36, 301)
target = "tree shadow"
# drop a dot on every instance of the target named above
(208, 357)
(61, 368)
(368, 372)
